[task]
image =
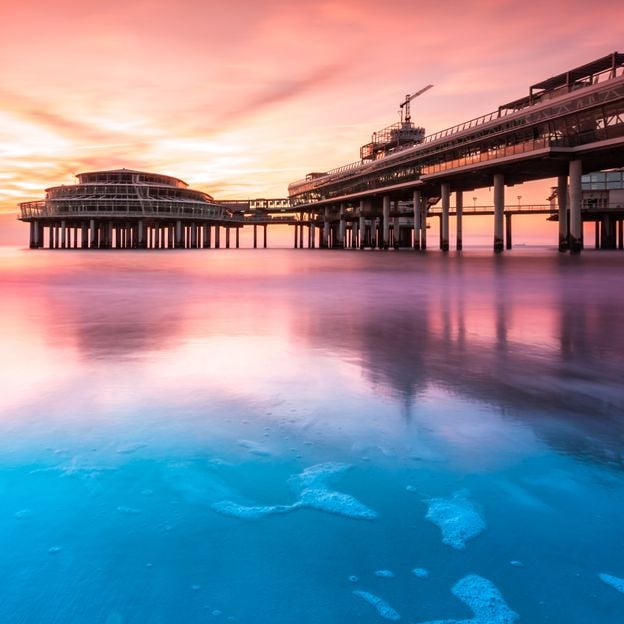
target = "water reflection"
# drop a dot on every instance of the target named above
(535, 337)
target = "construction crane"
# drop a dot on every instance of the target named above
(405, 106)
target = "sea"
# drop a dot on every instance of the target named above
(311, 436)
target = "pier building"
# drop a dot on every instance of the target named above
(568, 125)
(123, 208)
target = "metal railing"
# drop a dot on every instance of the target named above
(129, 207)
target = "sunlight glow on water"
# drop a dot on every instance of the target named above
(311, 436)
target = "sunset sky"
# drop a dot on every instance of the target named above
(240, 98)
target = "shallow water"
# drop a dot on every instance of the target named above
(311, 436)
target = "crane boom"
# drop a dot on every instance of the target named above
(408, 99)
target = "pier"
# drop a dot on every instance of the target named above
(569, 127)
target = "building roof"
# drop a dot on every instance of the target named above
(124, 170)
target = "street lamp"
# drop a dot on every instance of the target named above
(474, 203)
(519, 198)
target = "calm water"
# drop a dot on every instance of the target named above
(285, 436)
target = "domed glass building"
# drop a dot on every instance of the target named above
(123, 208)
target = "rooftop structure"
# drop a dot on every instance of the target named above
(127, 208)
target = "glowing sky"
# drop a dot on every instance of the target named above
(241, 97)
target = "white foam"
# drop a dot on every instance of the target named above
(236, 510)
(383, 608)
(384, 573)
(336, 503)
(420, 572)
(53, 550)
(485, 601)
(614, 581)
(457, 517)
(312, 493)
(354, 579)
(24, 513)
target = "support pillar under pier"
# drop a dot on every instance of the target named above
(508, 231)
(84, 235)
(459, 212)
(576, 198)
(499, 210)
(423, 223)
(562, 202)
(179, 241)
(341, 228)
(416, 210)
(386, 222)
(362, 235)
(444, 219)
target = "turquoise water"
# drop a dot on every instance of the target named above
(311, 436)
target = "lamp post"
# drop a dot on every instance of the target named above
(519, 198)
(474, 203)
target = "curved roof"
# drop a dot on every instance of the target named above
(124, 170)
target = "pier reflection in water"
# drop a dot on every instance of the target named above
(156, 407)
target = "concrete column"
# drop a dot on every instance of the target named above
(92, 234)
(620, 229)
(354, 231)
(32, 243)
(84, 235)
(416, 215)
(63, 235)
(227, 236)
(237, 232)
(179, 241)
(386, 221)
(51, 239)
(499, 210)
(296, 237)
(217, 236)
(459, 212)
(597, 234)
(264, 240)
(325, 241)
(424, 206)
(193, 235)
(362, 235)
(562, 202)
(508, 231)
(341, 228)
(208, 236)
(444, 220)
(396, 232)
(301, 235)
(109, 235)
(576, 198)
(255, 236)
(141, 242)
